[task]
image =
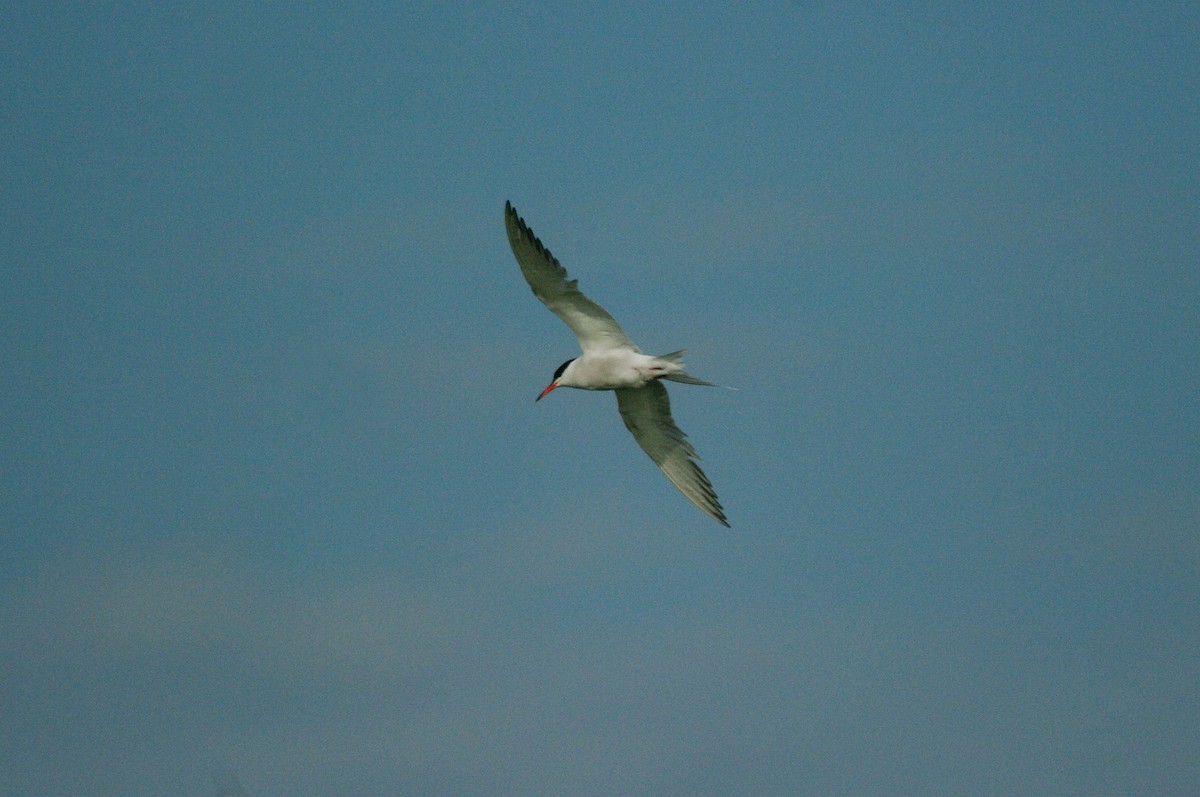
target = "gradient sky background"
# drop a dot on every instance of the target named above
(278, 506)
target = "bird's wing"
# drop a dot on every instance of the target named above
(590, 322)
(647, 414)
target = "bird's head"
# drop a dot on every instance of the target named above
(558, 375)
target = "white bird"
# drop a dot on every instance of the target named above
(610, 361)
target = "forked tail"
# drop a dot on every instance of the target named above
(676, 358)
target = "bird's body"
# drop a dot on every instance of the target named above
(614, 369)
(611, 361)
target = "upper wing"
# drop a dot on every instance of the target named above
(590, 322)
(647, 414)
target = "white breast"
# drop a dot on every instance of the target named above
(611, 370)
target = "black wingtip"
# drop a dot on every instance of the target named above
(525, 231)
(511, 212)
(512, 217)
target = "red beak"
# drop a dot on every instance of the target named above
(546, 392)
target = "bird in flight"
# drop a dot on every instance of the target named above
(610, 361)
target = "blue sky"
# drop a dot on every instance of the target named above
(278, 505)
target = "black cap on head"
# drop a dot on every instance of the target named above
(563, 367)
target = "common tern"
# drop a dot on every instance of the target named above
(610, 361)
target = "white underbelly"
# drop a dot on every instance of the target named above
(613, 371)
